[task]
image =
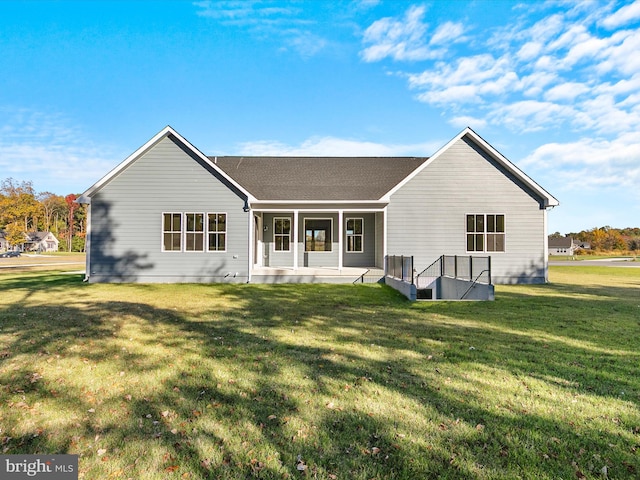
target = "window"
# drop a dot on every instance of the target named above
(172, 232)
(355, 234)
(194, 232)
(186, 232)
(282, 234)
(485, 233)
(217, 228)
(317, 235)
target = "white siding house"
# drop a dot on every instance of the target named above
(169, 213)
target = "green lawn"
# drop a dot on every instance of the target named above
(323, 381)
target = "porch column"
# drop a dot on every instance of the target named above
(295, 239)
(340, 240)
(385, 252)
(251, 245)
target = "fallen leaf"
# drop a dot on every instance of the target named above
(172, 468)
(272, 417)
(375, 451)
(102, 451)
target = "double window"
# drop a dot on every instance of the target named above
(485, 233)
(194, 232)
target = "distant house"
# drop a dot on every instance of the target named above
(563, 246)
(4, 243)
(40, 242)
(169, 213)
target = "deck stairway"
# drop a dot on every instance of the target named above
(450, 277)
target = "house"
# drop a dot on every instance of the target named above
(34, 242)
(40, 242)
(561, 246)
(4, 243)
(169, 213)
(566, 246)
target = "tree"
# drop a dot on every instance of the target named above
(71, 203)
(18, 204)
(52, 207)
(14, 234)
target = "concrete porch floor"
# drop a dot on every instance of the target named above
(313, 274)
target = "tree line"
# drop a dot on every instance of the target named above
(607, 239)
(23, 210)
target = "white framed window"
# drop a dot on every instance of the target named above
(317, 234)
(355, 235)
(194, 232)
(172, 232)
(282, 234)
(217, 232)
(485, 232)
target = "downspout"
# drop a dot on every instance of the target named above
(87, 240)
(545, 242)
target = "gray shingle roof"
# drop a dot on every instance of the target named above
(318, 178)
(560, 242)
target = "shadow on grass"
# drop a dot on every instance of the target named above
(349, 381)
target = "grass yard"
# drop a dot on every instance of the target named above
(323, 381)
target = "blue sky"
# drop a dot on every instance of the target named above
(554, 86)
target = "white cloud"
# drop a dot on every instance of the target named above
(529, 51)
(47, 150)
(286, 25)
(448, 32)
(622, 54)
(591, 163)
(332, 146)
(468, 80)
(535, 84)
(399, 39)
(567, 91)
(464, 121)
(530, 115)
(624, 15)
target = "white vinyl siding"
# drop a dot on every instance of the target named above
(426, 218)
(127, 218)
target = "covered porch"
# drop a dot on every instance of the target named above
(316, 243)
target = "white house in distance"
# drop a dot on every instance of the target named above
(169, 213)
(34, 242)
(41, 242)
